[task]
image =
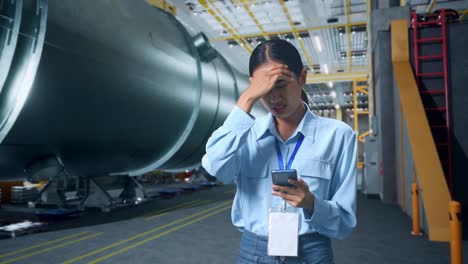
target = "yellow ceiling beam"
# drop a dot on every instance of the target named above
(281, 32)
(364, 91)
(361, 68)
(296, 34)
(260, 27)
(336, 77)
(245, 44)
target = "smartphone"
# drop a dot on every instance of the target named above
(281, 177)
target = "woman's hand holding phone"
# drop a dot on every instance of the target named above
(297, 196)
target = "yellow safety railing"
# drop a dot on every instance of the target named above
(431, 6)
(462, 14)
(363, 135)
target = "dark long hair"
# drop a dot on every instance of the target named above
(276, 50)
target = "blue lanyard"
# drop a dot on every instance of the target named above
(291, 159)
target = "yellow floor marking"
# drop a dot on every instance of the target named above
(170, 209)
(40, 245)
(157, 236)
(143, 234)
(183, 207)
(49, 249)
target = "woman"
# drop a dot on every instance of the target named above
(321, 150)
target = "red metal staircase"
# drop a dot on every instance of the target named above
(431, 71)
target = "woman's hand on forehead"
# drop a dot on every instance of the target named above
(264, 79)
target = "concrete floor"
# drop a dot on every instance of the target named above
(164, 231)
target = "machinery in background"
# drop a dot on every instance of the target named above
(85, 96)
(371, 183)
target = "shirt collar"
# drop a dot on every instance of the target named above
(306, 127)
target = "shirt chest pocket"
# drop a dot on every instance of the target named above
(256, 178)
(317, 174)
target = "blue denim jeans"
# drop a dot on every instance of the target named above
(313, 249)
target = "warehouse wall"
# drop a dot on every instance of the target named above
(404, 164)
(384, 111)
(383, 86)
(458, 69)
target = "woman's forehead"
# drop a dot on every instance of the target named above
(273, 63)
(269, 64)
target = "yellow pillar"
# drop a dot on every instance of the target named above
(416, 229)
(455, 232)
(339, 114)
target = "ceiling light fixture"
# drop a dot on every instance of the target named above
(337, 106)
(318, 44)
(330, 84)
(325, 68)
(333, 94)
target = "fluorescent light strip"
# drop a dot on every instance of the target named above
(318, 44)
(325, 68)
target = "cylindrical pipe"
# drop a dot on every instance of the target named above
(122, 94)
(416, 228)
(455, 232)
(8, 38)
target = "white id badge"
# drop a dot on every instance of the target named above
(283, 234)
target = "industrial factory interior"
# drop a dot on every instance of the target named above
(116, 116)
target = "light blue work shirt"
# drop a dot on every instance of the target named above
(244, 149)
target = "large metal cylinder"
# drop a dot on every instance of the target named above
(120, 89)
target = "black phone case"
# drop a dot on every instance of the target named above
(280, 177)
